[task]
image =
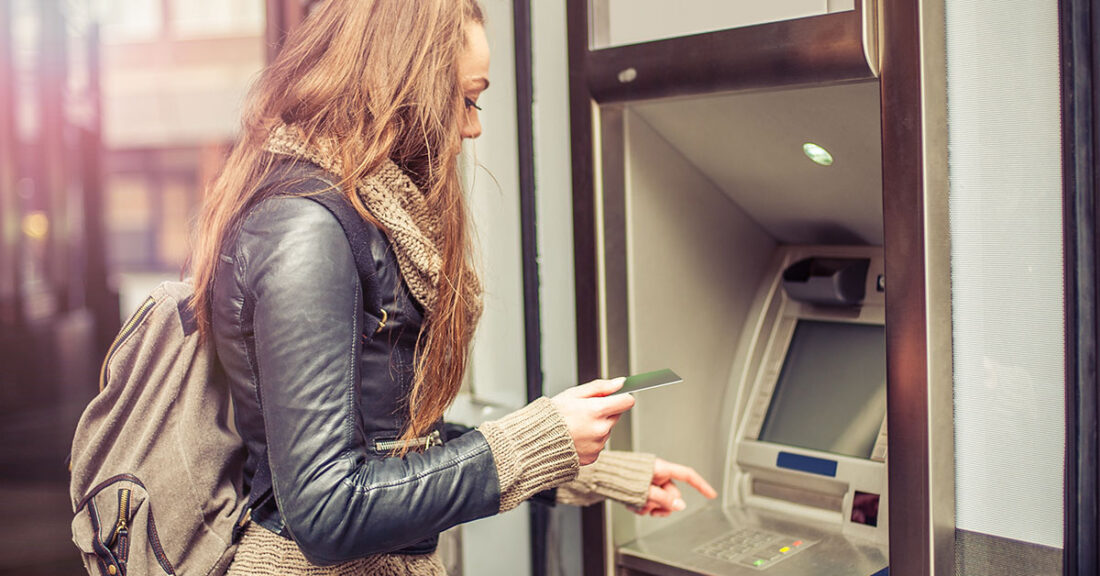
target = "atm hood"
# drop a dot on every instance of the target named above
(749, 144)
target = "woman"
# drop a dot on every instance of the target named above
(340, 407)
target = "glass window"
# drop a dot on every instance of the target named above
(177, 211)
(129, 218)
(25, 42)
(131, 20)
(621, 22)
(204, 18)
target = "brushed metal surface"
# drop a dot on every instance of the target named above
(812, 50)
(907, 388)
(938, 300)
(669, 552)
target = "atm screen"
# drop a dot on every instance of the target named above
(831, 392)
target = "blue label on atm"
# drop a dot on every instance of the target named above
(820, 466)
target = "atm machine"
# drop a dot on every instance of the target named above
(804, 481)
(725, 245)
(758, 276)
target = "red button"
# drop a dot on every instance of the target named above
(797, 543)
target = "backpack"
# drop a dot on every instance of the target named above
(156, 466)
(156, 463)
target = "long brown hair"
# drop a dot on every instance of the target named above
(380, 78)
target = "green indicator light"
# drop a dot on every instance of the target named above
(758, 563)
(817, 154)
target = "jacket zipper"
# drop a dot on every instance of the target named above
(127, 329)
(433, 439)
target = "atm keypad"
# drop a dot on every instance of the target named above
(753, 548)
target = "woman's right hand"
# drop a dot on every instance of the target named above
(590, 411)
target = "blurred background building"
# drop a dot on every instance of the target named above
(113, 116)
(111, 133)
(174, 74)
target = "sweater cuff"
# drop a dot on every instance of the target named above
(620, 476)
(533, 451)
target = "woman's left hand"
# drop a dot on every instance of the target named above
(664, 496)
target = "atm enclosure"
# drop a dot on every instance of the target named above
(702, 197)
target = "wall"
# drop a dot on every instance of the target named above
(554, 209)
(1007, 278)
(491, 175)
(694, 261)
(499, 545)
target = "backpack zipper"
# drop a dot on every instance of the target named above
(121, 529)
(154, 538)
(433, 439)
(120, 537)
(127, 329)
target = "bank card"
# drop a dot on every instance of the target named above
(647, 380)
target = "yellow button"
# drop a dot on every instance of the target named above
(112, 570)
(785, 549)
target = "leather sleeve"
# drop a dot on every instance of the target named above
(295, 264)
(452, 430)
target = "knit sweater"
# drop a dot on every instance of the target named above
(533, 451)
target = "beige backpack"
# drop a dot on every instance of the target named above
(156, 464)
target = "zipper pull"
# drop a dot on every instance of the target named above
(121, 528)
(382, 322)
(433, 439)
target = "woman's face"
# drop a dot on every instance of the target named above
(473, 77)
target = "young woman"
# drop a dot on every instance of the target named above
(340, 406)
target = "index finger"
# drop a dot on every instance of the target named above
(689, 475)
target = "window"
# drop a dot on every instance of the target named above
(206, 18)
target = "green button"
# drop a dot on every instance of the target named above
(759, 563)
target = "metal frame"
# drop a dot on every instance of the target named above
(903, 184)
(1080, 53)
(764, 55)
(532, 323)
(939, 380)
(586, 273)
(768, 56)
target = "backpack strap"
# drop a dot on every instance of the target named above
(355, 228)
(258, 495)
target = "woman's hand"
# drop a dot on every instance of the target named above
(664, 496)
(590, 411)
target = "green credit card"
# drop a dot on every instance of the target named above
(639, 382)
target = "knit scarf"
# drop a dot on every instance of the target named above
(400, 206)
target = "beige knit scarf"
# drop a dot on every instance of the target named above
(399, 205)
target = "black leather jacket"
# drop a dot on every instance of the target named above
(317, 390)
